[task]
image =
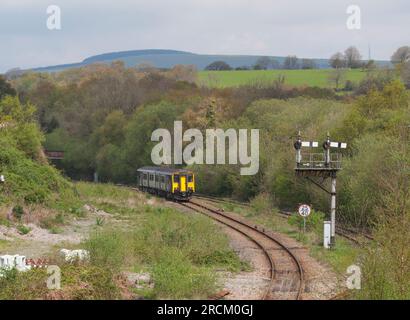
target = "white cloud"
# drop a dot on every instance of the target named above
(315, 28)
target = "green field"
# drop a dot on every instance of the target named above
(316, 77)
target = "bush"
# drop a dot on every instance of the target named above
(261, 204)
(175, 277)
(107, 248)
(22, 229)
(314, 222)
(18, 212)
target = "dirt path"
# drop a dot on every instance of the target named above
(40, 243)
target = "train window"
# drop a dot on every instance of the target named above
(162, 179)
(176, 178)
(145, 176)
(190, 178)
(156, 178)
(151, 177)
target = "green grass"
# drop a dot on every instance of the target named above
(4, 245)
(315, 77)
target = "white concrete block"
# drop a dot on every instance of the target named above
(75, 255)
(8, 262)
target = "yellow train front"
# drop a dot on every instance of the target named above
(176, 184)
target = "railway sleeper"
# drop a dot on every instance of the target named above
(285, 285)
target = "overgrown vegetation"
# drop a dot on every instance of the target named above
(167, 245)
(78, 282)
(103, 116)
(143, 236)
(29, 178)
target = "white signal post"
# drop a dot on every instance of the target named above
(333, 209)
(325, 169)
(327, 145)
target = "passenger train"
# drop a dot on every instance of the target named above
(175, 184)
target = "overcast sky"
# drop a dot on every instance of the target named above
(307, 28)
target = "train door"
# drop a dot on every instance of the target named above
(183, 183)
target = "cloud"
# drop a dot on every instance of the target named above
(315, 28)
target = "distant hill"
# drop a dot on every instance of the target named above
(169, 58)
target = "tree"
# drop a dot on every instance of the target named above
(181, 72)
(19, 121)
(402, 55)
(370, 65)
(337, 76)
(308, 64)
(242, 68)
(337, 60)
(217, 66)
(405, 74)
(263, 63)
(146, 67)
(13, 73)
(291, 62)
(353, 57)
(275, 64)
(6, 88)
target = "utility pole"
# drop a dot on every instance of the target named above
(333, 208)
(321, 166)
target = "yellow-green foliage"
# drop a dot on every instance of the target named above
(29, 178)
(371, 126)
(386, 264)
(314, 222)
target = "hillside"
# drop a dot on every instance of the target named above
(168, 58)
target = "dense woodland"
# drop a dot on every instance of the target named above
(102, 117)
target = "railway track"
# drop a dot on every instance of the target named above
(219, 200)
(285, 271)
(347, 233)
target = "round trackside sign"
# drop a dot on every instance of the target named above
(304, 210)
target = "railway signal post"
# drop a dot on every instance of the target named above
(320, 166)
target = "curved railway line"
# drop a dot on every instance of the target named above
(347, 233)
(285, 269)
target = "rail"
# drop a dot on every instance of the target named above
(215, 214)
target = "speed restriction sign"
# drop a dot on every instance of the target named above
(304, 210)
